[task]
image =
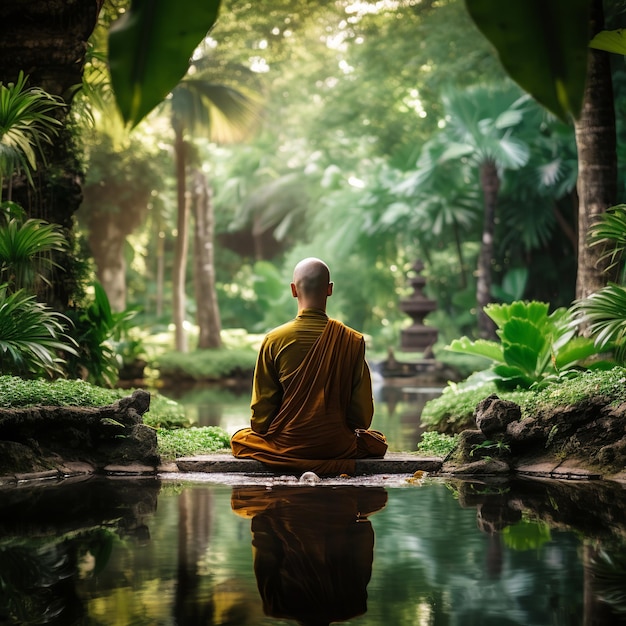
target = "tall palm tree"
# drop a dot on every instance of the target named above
(482, 130)
(439, 204)
(204, 103)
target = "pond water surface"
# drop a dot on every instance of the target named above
(171, 552)
(187, 550)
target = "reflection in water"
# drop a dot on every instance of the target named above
(313, 549)
(101, 553)
(51, 536)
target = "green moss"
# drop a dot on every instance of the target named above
(454, 409)
(165, 413)
(18, 393)
(436, 444)
(610, 384)
(173, 444)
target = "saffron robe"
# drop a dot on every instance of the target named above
(313, 550)
(315, 427)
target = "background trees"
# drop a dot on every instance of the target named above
(352, 161)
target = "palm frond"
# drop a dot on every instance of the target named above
(604, 313)
(27, 122)
(610, 231)
(31, 335)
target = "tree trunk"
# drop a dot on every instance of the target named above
(48, 41)
(107, 247)
(490, 185)
(597, 161)
(180, 255)
(160, 273)
(207, 308)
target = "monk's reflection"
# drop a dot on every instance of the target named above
(313, 548)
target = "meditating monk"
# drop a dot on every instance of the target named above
(312, 400)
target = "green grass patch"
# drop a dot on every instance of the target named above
(18, 393)
(173, 444)
(165, 413)
(610, 384)
(436, 444)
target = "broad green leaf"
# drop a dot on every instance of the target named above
(576, 351)
(513, 284)
(542, 45)
(480, 347)
(536, 312)
(523, 331)
(510, 377)
(149, 50)
(523, 357)
(610, 41)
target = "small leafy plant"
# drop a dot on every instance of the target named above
(535, 346)
(32, 336)
(498, 447)
(603, 312)
(436, 444)
(99, 332)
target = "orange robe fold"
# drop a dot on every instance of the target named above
(310, 431)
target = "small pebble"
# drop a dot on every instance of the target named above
(309, 477)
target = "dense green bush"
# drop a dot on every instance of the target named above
(16, 392)
(206, 364)
(436, 444)
(535, 346)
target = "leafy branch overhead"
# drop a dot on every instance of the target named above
(150, 47)
(542, 46)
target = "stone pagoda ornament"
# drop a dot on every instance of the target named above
(418, 337)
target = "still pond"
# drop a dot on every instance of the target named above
(394, 551)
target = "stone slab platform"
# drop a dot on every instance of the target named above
(392, 463)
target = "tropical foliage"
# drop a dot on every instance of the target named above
(535, 346)
(32, 336)
(97, 330)
(25, 245)
(603, 313)
(27, 122)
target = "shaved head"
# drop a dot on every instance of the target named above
(311, 281)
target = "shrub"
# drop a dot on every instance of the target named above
(535, 346)
(212, 364)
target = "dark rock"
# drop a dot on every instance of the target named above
(38, 439)
(493, 415)
(482, 467)
(589, 436)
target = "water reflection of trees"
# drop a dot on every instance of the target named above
(524, 552)
(593, 511)
(52, 536)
